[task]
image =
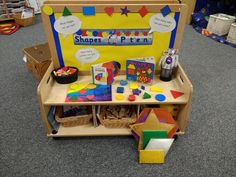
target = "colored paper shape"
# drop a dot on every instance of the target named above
(143, 11)
(124, 11)
(89, 10)
(109, 10)
(160, 23)
(47, 10)
(84, 92)
(176, 94)
(149, 134)
(156, 89)
(66, 12)
(151, 156)
(160, 97)
(67, 25)
(164, 144)
(165, 10)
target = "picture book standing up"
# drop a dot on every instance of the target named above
(140, 69)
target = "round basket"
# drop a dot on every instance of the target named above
(115, 122)
(66, 79)
(73, 120)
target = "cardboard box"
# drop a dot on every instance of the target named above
(38, 59)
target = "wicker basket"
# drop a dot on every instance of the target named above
(73, 120)
(23, 21)
(115, 122)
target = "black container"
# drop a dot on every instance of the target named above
(65, 79)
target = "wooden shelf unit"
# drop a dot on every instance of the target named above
(51, 93)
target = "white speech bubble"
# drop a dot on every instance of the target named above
(87, 55)
(160, 23)
(67, 25)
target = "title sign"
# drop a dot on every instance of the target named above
(113, 37)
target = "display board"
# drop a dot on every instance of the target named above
(81, 35)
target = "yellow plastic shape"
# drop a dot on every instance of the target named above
(156, 89)
(133, 86)
(151, 156)
(120, 97)
(48, 10)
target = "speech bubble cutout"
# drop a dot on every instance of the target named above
(87, 55)
(67, 25)
(160, 23)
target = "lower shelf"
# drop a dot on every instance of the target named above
(90, 130)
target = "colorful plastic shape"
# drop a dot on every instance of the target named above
(176, 94)
(120, 90)
(156, 89)
(143, 87)
(160, 97)
(136, 91)
(146, 95)
(133, 86)
(149, 134)
(151, 156)
(143, 11)
(164, 144)
(131, 98)
(165, 10)
(123, 82)
(89, 10)
(153, 119)
(109, 10)
(124, 11)
(120, 97)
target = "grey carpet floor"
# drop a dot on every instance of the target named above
(207, 149)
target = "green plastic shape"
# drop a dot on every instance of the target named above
(146, 96)
(148, 134)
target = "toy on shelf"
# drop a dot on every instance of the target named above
(65, 75)
(104, 73)
(140, 69)
(84, 92)
(167, 63)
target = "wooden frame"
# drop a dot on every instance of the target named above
(51, 94)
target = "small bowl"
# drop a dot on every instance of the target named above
(65, 79)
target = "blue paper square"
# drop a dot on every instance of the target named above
(165, 10)
(89, 10)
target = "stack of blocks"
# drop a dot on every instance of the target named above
(154, 130)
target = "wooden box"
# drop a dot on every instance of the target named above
(38, 59)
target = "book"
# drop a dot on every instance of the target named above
(140, 69)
